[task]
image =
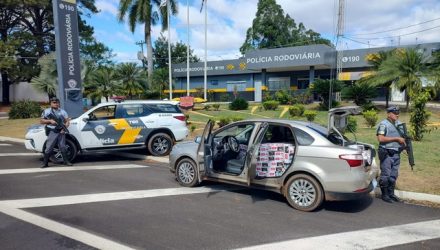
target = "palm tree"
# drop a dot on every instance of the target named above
(142, 12)
(132, 79)
(160, 80)
(407, 67)
(376, 79)
(104, 83)
(46, 81)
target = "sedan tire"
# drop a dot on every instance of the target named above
(304, 192)
(186, 173)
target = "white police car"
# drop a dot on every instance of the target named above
(155, 125)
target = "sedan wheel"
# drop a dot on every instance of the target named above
(186, 173)
(303, 192)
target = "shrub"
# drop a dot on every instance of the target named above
(371, 117)
(207, 107)
(419, 115)
(369, 106)
(187, 118)
(360, 93)
(282, 96)
(239, 104)
(267, 97)
(352, 124)
(223, 120)
(310, 115)
(236, 118)
(260, 108)
(322, 86)
(192, 128)
(216, 106)
(296, 110)
(25, 109)
(271, 105)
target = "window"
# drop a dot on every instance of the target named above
(242, 132)
(278, 134)
(103, 113)
(302, 137)
(278, 83)
(214, 82)
(232, 86)
(131, 110)
(164, 108)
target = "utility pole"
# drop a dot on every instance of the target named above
(141, 43)
(339, 46)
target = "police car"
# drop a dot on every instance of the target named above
(155, 125)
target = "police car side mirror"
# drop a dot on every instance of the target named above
(85, 119)
(198, 139)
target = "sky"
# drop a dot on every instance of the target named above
(373, 23)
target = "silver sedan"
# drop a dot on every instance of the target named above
(305, 162)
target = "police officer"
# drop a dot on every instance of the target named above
(390, 146)
(57, 135)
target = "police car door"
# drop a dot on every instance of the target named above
(97, 130)
(128, 127)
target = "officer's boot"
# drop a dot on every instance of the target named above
(66, 159)
(45, 161)
(385, 194)
(391, 194)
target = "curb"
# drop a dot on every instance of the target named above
(400, 193)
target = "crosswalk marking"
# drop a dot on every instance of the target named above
(19, 154)
(62, 169)
(363, 239)
(128, 195)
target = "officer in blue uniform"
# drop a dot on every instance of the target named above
(390, 146)
(57, 135)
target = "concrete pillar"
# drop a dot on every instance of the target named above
(311, 74)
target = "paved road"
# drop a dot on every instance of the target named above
(114, 202)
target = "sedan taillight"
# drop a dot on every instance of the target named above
(354, 160)
(180, 117)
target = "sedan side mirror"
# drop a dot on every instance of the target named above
(198, 139)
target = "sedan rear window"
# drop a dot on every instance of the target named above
(303, 138)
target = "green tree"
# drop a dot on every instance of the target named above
(46, 82)
(143, 12)
(322, 88)
(160, 80)
(359, 92)
(376, 77)
(132, 79)
(104, 83)
(178, 53)
(271, 28)
(407, 67)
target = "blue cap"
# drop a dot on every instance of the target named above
(394, 109)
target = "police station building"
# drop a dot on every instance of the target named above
(291, 68)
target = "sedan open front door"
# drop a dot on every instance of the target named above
(204, 151)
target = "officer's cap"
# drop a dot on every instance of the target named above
(393, 109)
(54, 99)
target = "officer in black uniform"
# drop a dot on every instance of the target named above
(57, 135)
(390, 146)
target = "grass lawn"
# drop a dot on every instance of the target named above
(425, 177)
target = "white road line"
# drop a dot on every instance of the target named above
(5, 144)
(19, 154)
(65, 230)
(62, 169)
(143, 157)
(88, 198)
(363, 239)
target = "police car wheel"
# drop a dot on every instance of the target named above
(303, 192)
(186, 173)
(160, 144)
(71, 151)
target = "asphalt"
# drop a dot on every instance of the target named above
(406, 195)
